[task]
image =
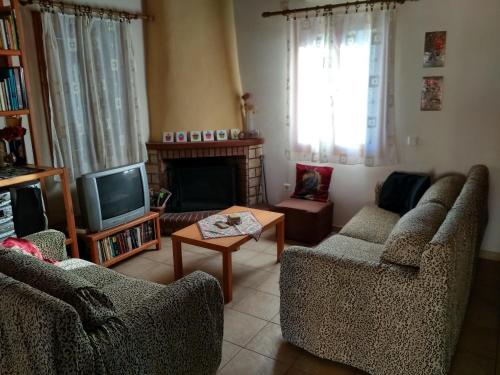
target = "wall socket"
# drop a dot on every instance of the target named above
(412, 141)
(286, 187)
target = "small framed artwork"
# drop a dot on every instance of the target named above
(435, 49)
(168, 137)
(234, 133)
(221, 135)
(180, 137)
(432, 94)
(195, 136)
(208, 135)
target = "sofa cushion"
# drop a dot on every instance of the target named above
(372, 224)
(444, 191)
(401, 191)
(92, 305)
(351, 248)
(126, 293)
(412, 233)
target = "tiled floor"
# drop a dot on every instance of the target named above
(252, 335)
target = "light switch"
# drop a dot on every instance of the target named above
(412, 141)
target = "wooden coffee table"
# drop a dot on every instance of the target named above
(226, 245)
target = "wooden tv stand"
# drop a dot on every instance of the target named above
(92, 239)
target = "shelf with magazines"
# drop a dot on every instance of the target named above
(115, 244)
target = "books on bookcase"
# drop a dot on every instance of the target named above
(125, 241)
(8, 32)
(12, 89)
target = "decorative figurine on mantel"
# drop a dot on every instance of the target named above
(248, 112)
(13, 135)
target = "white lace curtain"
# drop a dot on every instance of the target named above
(93, 97)
(341, 88)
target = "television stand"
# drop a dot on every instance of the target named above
(115, 244)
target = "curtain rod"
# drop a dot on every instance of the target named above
(368, 4)
(89, 11)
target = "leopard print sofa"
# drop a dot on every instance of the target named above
(342, 301)
(145, 328)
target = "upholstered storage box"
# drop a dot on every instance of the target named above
(306, 221)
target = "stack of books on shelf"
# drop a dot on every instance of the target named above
(8, 32)
(12, 89)
(125, 241)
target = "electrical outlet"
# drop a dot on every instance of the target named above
(286, 187)
(412, 141)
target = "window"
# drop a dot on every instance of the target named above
(340, 88)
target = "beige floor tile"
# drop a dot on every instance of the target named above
(134, 266)
(239, 294)
(262, 261)
(269, 342)
(229, 350)
(249, 277)
(250, 363)
(482, 313)
(269, 283)
(243, 255)
(465, 363)
(317, 366)
(478, 340)
(259, 304)
(164, 255)
(240, 328)
(160, 273)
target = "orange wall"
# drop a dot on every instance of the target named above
(192, 67)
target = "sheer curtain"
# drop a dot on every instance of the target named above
(93, 99)
(341, 88)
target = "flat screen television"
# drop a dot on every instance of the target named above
(113, 196)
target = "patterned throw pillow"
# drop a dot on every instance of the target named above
(312, 182)
(412, 233)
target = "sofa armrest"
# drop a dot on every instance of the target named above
(51, 243)
(182, 321)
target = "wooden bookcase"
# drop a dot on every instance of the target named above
(11, 58)
(91, 239)
(39, 174)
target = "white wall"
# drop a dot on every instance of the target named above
(466, 132)
(55, 209)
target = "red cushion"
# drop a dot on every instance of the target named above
(312, 182)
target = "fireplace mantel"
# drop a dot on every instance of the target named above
(198, 145)
(247, 151)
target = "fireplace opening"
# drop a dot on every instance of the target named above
(203, 184)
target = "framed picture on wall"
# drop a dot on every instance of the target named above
(195, 136)
(180, 137)
(168, 137)
(432, 94)
(435, 49)
(221, 135)
(208, 135)
(234, 133)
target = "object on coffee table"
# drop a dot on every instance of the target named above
(233, 219)
(221, 225)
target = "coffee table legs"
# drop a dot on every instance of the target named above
(177, 252)
(280, 238)
(227, 276)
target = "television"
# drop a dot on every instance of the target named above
(113, 196)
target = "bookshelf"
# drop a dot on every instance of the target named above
(10, 57)
(103, 252)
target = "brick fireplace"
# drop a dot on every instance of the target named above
(244, 154)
